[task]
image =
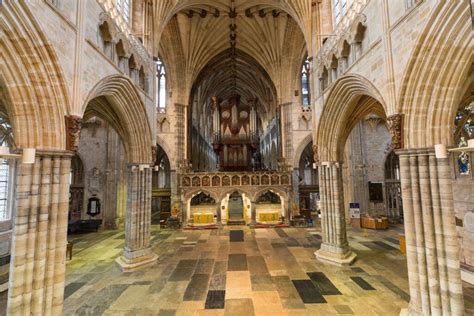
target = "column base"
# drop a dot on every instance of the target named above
(133, 261)
(339, 259)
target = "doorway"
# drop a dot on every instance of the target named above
(236, 208)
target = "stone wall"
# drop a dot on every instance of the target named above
(463, 195)
(366, 150)
(102, 155)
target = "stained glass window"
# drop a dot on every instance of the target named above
(160, 85)
(464, 129)
(305, 83)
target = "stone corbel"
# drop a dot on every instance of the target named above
(73, 127)
(395, 126)
(112, 27)
(358, 27)
(373, 121)
(125, 43)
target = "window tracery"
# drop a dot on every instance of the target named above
(464, 129)
(305, 91)
(160, 85)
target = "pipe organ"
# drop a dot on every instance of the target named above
(235, 136)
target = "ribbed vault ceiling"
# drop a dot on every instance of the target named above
(269, 41)
(228, 74)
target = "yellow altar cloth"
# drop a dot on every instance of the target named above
(265, 217)
(203, 218)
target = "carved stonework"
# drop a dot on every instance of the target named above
(315, 154)
(73, 126)
(275, 179)
(373, 121)
(216, 181)
(225, 181)
(154, 152)
(235, 180)
(395, 126)
(196, 181)
(255, 180)
(186, 182)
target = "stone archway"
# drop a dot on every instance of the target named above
(36, 100)
(351, 99)
(115, 99)
(432, 89)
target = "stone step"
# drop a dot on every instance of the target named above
(235, 222)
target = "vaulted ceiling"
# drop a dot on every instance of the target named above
(269, 48)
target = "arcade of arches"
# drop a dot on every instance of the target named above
(237, 157)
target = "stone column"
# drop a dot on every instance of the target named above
(430, 229)
(253, 213)
(218, 213)
(296, 192)
(37, 269)
(137, 251)
(334, 248)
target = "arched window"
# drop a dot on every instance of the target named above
(305, 92)
(160, 85)
(464, 129)
(6, 171)
(123, 7)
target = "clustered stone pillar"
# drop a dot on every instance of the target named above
(137, 251)
(253, 212)
(334, 248)
(37, 270)
(430, 229)
(218, 212)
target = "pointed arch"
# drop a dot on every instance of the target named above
(31, 75)
(351, 98)
(299, 150)
(432, 83)
(116, 99)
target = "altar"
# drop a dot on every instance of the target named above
(203, 218)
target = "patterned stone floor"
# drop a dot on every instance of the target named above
(213, 272)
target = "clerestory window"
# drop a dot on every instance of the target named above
(123, 7)
(305, 90)
(160, 85)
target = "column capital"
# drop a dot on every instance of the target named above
(427, 151)
(54, 153)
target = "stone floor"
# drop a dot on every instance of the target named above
(239, 271)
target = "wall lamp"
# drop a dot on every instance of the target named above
(27, 156)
